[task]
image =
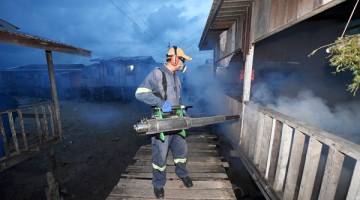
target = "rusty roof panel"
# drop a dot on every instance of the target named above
(6, 25)
(23, 39)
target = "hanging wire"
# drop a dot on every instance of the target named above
(343, 33)
(130, 18)
(141, 19)
(348, 22)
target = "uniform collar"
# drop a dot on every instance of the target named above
(165, 69)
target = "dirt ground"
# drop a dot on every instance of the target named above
(99, 144)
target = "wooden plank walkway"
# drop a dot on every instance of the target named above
(204, 164)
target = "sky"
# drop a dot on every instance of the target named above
(108, 28)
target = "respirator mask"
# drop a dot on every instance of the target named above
(182, 68)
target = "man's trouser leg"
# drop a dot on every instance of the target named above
(179, 151)
(159, 155)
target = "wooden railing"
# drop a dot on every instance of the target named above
(24, 131)
(289, 159)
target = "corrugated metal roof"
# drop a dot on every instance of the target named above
(126, 59)
(8, 26)
(10, 34)
(222, 15)
(41, 67)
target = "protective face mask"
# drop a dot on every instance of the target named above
(182, 68)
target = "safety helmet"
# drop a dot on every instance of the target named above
(177, 52)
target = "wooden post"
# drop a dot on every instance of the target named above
(45, 123)
(284, 154)
(52, 123)
(274, 152)
(38, 125)
(332, 174)
(54, 94)
(246, 85)
(247, 74)
(21, 121)
(310, 168)
(354, 189)
(296, 154)
(265, 144)
(3, 135)
(259, 136)
(13, 132)
(52, 192)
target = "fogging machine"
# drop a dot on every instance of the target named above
(176, 120)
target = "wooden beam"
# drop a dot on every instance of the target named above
(234, 8)
(332, 174)
(274, 152)
(354, 189)
(229, 16)
(54, 94)
(232, 12)
(286, 138)
(265, 144)
(247, 74)
(13, 132)
(259, 136)
(21, 121)
(311, 166)
(36, 42)
(294, 166)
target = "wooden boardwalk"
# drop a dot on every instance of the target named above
(204, 164)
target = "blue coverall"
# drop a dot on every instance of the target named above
(151, 91)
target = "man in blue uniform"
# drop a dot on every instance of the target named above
(162, 88)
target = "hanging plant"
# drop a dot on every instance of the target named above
(345, 56)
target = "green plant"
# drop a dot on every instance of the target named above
(345, 56)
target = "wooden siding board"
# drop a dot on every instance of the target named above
(284, 154)
(354, 189)
(259, 136)
(265, 144)
(304, 7)
(332, 174)
(275, 152)
(294, 166)
(277, 14)
(311, 165)
(262, 9)
(291, 10)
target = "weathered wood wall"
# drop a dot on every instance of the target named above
(272, 16)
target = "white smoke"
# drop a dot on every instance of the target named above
(342, 119)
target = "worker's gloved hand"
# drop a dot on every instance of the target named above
(166, 107)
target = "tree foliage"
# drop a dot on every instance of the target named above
(345, 56)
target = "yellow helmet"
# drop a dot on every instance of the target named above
(175, 51)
